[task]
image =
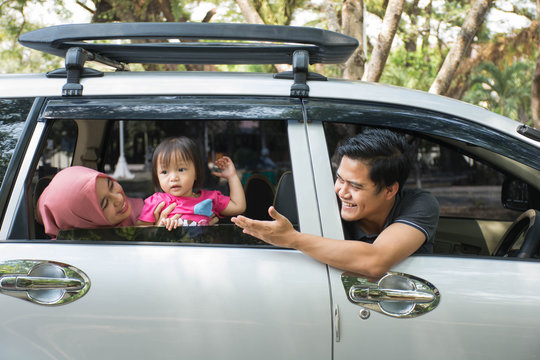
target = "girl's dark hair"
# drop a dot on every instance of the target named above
(384, 151)
(169, 149)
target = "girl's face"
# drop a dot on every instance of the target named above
(177, 178)
(112, 200)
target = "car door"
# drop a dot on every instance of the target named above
(454, 306)
(228, 297)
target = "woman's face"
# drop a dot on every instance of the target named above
(112, 200)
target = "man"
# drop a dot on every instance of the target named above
(391, 222)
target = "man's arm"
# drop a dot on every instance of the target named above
(393, 245)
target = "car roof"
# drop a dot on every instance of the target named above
(253, 84)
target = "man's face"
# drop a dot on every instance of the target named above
(360, 198)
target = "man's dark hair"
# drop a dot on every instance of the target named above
(384, 152)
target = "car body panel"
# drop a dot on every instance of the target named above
(195, 302)
(475, 319)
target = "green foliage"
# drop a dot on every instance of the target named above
(376, 7)
(278, 12)
(505, 91)
(14, 58)
(415, 70)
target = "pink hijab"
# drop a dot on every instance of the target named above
(70, 201)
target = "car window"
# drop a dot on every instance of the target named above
(464, 186)
(13, 113)
(59, 147)
(472, 216)
(258, 148)
(223, 235)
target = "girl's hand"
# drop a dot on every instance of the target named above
(226, 165)
(171, 223)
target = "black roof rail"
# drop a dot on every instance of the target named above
(273, 44)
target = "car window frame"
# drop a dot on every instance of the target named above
(52, 109)
(418, 120)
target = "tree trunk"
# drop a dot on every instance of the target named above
(353, 25)
(379, 56)
(252, 16)
(249, 12)
(472, 23)
(331, 16)
(535, 94)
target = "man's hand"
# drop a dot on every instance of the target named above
(278, 232)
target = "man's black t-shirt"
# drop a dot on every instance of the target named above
(413, 207)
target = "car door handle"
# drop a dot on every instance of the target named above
(395, 294)
(23, 283)
(43, 282)
(359, 294)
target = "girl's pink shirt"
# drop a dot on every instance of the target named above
(70, 201)
(184, 205)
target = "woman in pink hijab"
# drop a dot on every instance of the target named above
(79, 197)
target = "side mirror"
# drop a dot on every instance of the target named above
(518, 195)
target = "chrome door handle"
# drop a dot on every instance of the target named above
(395, 294)
(368, 293)
(43, 282)
(24, 283)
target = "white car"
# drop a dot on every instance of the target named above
(215, 293)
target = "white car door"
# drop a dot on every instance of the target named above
(488, 309)
(453, 307)
(72, 299)
(165, 302)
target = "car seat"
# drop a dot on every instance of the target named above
(259, 196)
(285, 198)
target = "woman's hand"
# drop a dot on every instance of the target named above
(213, 220)
(161, 214)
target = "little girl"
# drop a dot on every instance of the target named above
(176, 171)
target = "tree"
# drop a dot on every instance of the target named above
(379, 56)
(535, 92)
(504, 91)
(472, 23)
(353, 25)
(271, 13)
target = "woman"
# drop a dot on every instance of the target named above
(79, 197)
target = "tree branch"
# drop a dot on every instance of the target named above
(472, 23)
(249, 12)
(380, 54)
(81, 4)
(209, 15)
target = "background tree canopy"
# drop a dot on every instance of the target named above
(493, 68)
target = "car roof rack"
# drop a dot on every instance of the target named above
(323, 46)
(261, 44)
